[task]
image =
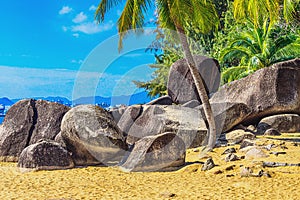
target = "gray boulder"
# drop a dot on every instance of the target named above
(45, 155)
(192, 104)
(129, 117)
(187, 123)
(269, 91)
(117, 113)
(237, 136)
(164, 152)
(16, 129)
(181, 87)
(92, 136)
(25, 123)
(49, 117)
(164, 100)
(285, 123)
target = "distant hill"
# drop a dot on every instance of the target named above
(6, 101)
(138, 98)
(52, 99)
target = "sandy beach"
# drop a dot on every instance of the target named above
(187, 183)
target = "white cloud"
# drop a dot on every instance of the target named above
(65, 10)
(93, 8)
(81, 17)
(65, 29)
(92, 27)
(76, 35)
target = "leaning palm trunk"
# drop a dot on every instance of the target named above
(200, 89)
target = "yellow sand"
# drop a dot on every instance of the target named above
(187, 183)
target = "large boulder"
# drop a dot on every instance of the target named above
(163, 152)
(181, 86)
(129, 117)
(49, 117)
(92, 136)
(45, 155)
(269, 91)
(187, 123)
(25, 123)
(285, 123)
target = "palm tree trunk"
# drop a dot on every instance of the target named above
(200, 89)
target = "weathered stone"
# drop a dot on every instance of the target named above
(117, 113)
(272, 132)
(269, 91)
(185, 122)
(285, 123)
(92, 136)
(45, 155)
(181, 87)
(129, 117)
(191, 104)
(208, 165)
(162, 152)
(237, 136)
(227, 115)
(164, 100)
(27, 122)
(231, 157)
(49, 117)
(228, 151)
(246, 143)
(15, 130)
(255, 153)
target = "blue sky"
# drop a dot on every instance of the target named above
(54, 48)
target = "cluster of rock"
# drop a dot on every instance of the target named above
(155, 136)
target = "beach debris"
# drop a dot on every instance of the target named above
(45, 155)
(209, 164)
(231, 157)
(229, 150)
(92, 136)
(163, 152)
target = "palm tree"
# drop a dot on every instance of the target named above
(258, 47)
(172, 15)
(259, 10)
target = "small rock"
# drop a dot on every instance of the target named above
(255, 153)
(246, 143)
(270, 146)
(218, 172)
(277, 153)
(229, 175)
(251, 128)
(237, 136)
(209, 164)
(246, 172)
(228, 151)
(231, 157)
(262, 173)
(231, 167)
(196, 150)
(272, 132)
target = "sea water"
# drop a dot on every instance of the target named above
(1, 119)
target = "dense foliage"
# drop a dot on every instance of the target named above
(241, 47)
